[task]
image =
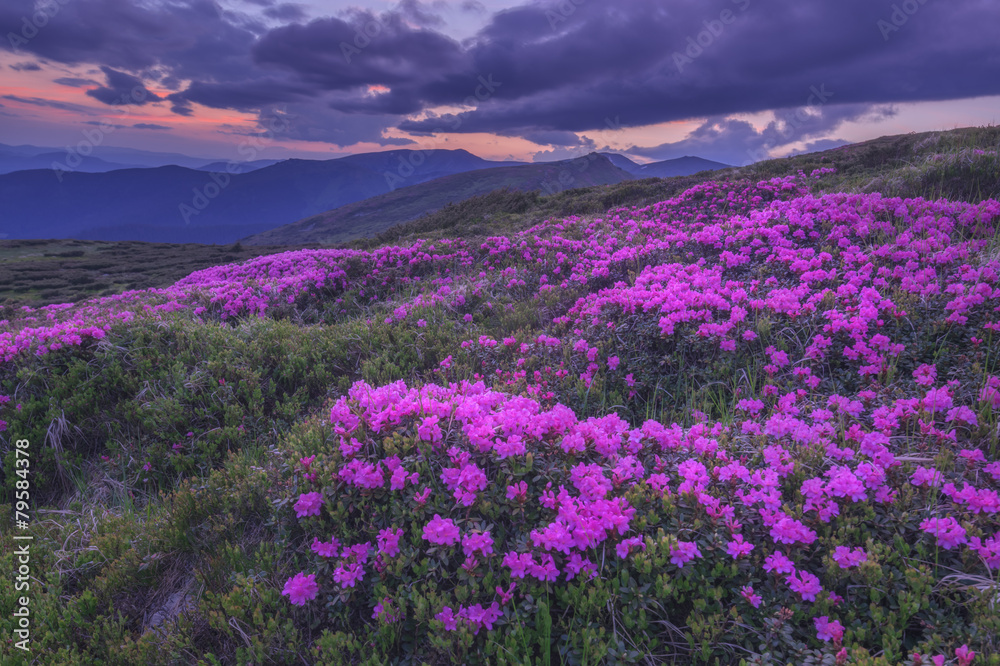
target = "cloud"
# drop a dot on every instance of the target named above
(817, 146)
(50, 103)
(25, 67)
(286, 12)
(474, 6)
(738, 142)
(151, 126)
(555, 77)
(104, 124)
(74, 82)
(123, 89)
(555, 67)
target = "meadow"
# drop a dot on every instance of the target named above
(754, 420)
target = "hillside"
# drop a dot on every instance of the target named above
(177, 204)
(375, 215)
(931, 164)
(681, 166)
(43, 272)
(742, 417)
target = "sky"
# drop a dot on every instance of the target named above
(730, 80)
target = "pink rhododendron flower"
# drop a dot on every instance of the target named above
(477, 543)
(441, 531)
(805, 584)
(947, 530)
(518, 564)
(447, 615)
(326, 549)
(518, 492)
(738, 547)
(924, 476)
(309, 504)
(630, 546)
(846, 557)
(828, 630)
(964, 655)
(925, 375)
(778, 563)
(388, 541)
(578, 565)
(684, 552)
(301, 588)
(787, 530)
(348, 574)
(753, 599)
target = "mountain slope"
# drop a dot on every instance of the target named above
(176, 204)
(681, 166)
(369, 217)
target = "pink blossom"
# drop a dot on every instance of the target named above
(477, 543)
(447, 615)
(778, 563)
(846, 557)
(925, 375)
(738, 547)
(388, 541)
(630, 546)
(787, 530)
(324, 549)
(441, 531)
(947, 530)
(518, 564)
(806, 584)
(348, 574)
(753, 599)
(828, 630)
(301, 588)
(517, 492)
(684, 552)
(964, 655)
(309, 504)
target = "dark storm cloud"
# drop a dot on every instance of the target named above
(123, 89)
(570, 72)
(286, 12)
(541, 70)
(188, 38)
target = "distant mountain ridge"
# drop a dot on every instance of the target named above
(681, 166)
(222, 201)
(177, 204)
(372, 216)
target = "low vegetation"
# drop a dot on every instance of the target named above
(749, 418)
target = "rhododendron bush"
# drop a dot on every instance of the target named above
(695, 520)
(753, 422)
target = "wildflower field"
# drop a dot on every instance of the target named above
(755, 423)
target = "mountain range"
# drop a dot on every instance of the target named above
(219, 202)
